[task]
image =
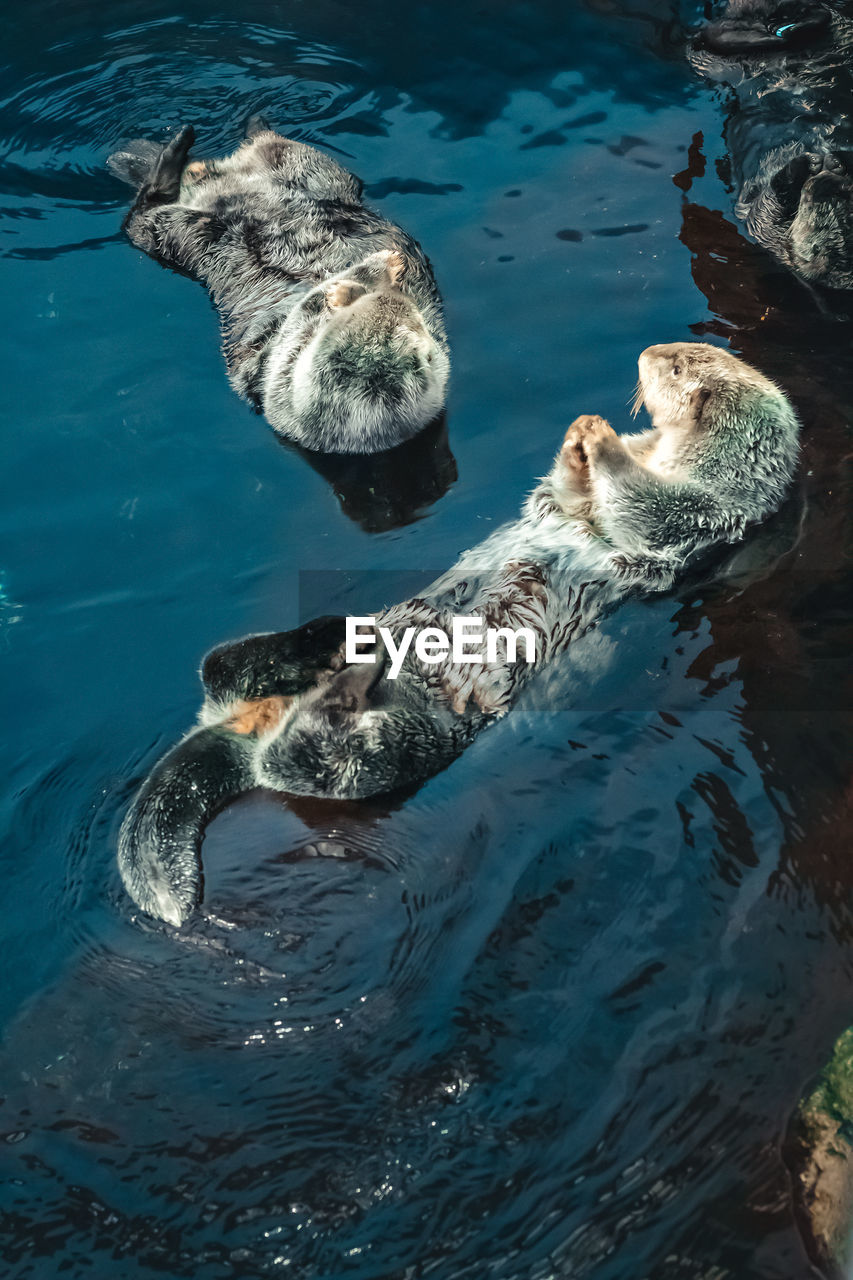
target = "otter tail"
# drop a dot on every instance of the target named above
(160, 839)
(135, 162)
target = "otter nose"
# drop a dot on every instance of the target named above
(657, 357)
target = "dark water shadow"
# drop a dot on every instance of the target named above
(789, 638)
(381, 491)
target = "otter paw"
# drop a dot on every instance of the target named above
(396, 267)
(343, 293)
(583, 438)
(196, 171)
(261, 715)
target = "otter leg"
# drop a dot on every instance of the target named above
(278, 665)
(159, 225)
(176, 236)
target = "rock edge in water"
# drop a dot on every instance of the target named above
(819, 1153)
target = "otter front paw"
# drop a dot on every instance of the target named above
(581, 443)
(257, 716)
(195, 171)
(343, 293)
(396, 268)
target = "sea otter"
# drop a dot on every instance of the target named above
(332, 323)
(790, 65)
(616, 515)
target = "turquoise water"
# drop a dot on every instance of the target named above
(549, 1016)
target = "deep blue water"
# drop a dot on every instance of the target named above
(548, 1017)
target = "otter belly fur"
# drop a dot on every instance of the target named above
(789, 131)
(331, 320)
(616, 515)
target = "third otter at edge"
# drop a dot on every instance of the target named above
(790, 67)
(615, 516)
(332, 323)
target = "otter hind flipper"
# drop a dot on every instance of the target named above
(143, 163)
(159, 846)
(256, 123)
(281, 663)
(165, 180)
(134, 162)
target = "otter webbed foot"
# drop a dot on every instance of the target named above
(256, 123)
(135, 161)
(164, 185)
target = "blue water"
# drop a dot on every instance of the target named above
(549, 1016)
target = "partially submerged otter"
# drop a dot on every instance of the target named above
(790, 136)
(331, 319)
(615, 516)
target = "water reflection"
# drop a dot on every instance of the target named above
(387, 490)
(789, 637)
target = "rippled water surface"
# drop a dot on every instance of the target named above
(547, 1017)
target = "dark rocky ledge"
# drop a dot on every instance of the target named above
(819, 1153)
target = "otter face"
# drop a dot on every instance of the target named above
(676, 378)
(804, 215)
(372, 376)
(751, 27)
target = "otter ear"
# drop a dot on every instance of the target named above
(699, 402)
(395, 268)
(343, 293)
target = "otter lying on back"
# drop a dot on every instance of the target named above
(615, 516)
(790, 64)
(331, 319)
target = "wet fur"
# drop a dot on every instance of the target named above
(616, 515)
(789, 133)
(331, 320)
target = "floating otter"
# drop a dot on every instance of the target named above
(331, 319)
(790, 65)
(615, 516)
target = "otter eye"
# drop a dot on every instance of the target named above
(429, 358)
(676, 371)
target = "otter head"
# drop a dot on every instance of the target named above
(726, 420)
(677, 381)
(750, 28)
(372, 376)
(356, 734)
(801, 209)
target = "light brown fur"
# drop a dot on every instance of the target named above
(259, 716)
